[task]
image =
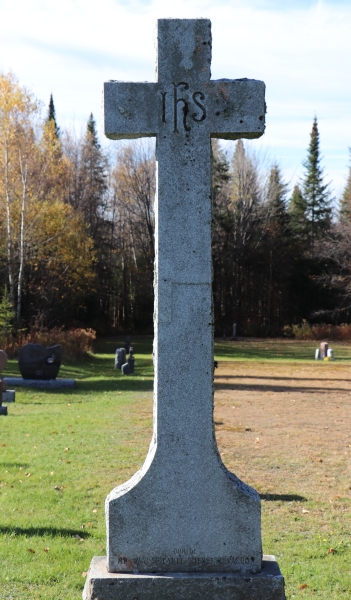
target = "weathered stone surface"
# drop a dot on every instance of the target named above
(183, 511)
(53, 384)
(37, 362)
(128, 367)
(266, 585)
(120, 358)
(9, 396)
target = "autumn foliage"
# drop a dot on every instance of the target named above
(75, 342)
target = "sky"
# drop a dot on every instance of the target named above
(300, 48)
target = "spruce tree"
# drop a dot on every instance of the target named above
(345, 202)
(52, 116)
(315, 192)
(276, 196)
(92, 133)
(298, 214)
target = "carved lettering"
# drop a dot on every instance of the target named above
(201, 106)
(199, 114)
(184, 551)
(163, 94)
(185, 102)
(187, 560)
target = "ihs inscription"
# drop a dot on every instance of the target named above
(190, 104)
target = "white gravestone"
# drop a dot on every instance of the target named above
(183, 514)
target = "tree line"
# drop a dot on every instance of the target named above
(77, 231)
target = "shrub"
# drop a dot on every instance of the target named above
(322, 331)
(75, 343)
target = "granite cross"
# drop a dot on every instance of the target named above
(183, 511)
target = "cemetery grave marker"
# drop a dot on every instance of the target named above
(184, 526)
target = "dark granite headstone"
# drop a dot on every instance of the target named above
(128, 367)
(37, 362)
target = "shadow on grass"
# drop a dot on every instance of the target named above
(278, 378)
(119, 385)
(41, 531)
(106, 385)
(15, 464)
(282, 498)
(278, 388)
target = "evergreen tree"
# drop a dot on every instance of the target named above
(297, 213)
(52, 116)
(92, 133)
(345, 202)
(276, 196)
(315, 192)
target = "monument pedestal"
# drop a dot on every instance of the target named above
(266, 585)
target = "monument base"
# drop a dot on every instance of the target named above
(9, 396)
(266, 585)
(52, 384)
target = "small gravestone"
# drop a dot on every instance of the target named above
(317, 354)
(37, 362)
(120, 358)
(128, 367)
(184, 527)
(330, 353)
(324, 350)
(233, 338)
(3, 361)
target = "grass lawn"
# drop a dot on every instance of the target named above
(61, 453)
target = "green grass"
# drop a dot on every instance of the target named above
(257, 349)
(62, 452)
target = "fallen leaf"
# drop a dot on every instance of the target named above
(319, 460)
(94, 510)
(303, 586)
(3, 444)
(31, 550)
(66, 449)
(85, 573)
(304, 511)
(332, 551)
(27, 474)
(46, 549)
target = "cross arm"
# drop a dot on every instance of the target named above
(237, 108)
(130, 110)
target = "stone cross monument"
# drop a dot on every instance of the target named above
(183, 526)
